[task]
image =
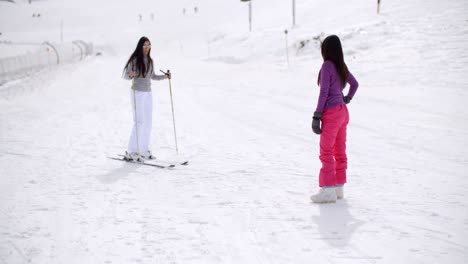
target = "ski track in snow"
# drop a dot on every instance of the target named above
(244, 124)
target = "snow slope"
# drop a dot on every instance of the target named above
(243, 120)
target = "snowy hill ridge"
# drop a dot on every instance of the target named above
(243, 120)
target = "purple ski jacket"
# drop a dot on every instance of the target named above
(330, 87)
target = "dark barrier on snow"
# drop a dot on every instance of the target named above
(44, 55)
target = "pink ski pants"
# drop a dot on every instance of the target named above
(333, 146)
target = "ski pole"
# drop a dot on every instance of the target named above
(172, 105)
(135, 109)
(287, 52)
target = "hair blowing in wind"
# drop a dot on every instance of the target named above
(138, 56)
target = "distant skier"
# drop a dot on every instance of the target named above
(140, 70)
(332, 112)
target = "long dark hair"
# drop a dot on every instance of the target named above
(332, 51)
(138, 55)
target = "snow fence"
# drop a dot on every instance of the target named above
(47, 54)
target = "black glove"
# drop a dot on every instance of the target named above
(316, 123)
(346, 99)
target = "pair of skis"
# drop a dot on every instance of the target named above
(149, 163)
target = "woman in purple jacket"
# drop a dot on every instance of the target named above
(333, 115)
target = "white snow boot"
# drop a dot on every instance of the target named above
(148, 155)
(133, 156)
(325, 195)
(339, 191)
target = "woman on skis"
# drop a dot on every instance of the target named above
(140, 70)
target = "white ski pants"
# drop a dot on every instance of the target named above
(142, 121)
